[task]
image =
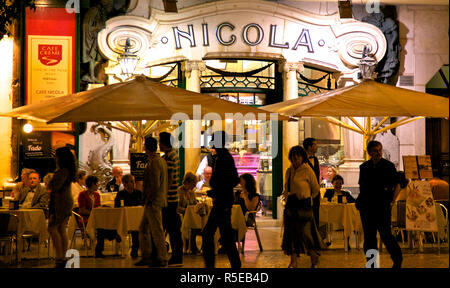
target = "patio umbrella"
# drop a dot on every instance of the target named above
(366, 99)
(138, 99)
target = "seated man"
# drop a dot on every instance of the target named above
(115, 185)
(204, 183)
(36, 196)
(24, 185)
(87, 200)
(130, 197)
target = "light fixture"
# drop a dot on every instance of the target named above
(128, 60)
(28, 128)
(367, 64)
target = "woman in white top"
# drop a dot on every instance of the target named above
(78, 185)
(300, 232)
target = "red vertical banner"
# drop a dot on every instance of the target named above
(50, 58)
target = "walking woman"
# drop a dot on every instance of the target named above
(300, 233)
(61, 202)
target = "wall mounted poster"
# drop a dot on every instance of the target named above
(410, 166)
(50, 58)
(420, 207)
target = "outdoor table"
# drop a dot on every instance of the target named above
(344, 216)
(123, 219)
(32, 221)
(192, 220)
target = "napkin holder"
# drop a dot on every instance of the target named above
(13, 205)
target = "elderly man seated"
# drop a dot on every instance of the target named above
(204, 183)
(24, 185)
(34, 197)
(115, 185)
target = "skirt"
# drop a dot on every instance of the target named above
(300, 233)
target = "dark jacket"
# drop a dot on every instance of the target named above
(130, 199)
(376, 184)
(224, 178)
(330, 194)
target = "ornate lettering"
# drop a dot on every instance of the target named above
(259, 30)
(304, 40)
(219, 34)
(188, 35)
(273, 32)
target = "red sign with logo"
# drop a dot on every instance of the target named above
(50, 55)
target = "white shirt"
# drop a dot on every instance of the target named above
(302, 181)
(76, 189)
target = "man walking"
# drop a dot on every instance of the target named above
(171, 219)
(224, 178)
(151, 234)
(377, 180)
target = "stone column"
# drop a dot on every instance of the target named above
(193, 127)
(290, 129)
(353, 142)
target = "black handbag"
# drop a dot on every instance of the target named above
(299, 209)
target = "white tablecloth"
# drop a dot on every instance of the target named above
(342, 216)
(193, 220)
(30, 221)
(122, 219)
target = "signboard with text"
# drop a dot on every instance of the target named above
(138, 163)
(50, 58)
(420, 207)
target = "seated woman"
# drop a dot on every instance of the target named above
(87, 200)
(337, 182)
(249, 198)
(186, 196)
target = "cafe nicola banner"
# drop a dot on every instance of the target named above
(420, 207)
(50, 58)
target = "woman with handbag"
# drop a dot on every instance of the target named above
(300, 233)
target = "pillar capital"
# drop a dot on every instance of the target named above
(287, 67)
(192, 65)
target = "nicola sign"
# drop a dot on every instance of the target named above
(251, 34)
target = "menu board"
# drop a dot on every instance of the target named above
(424, 166)
(138, 163)
(420, 207)
(418, 167)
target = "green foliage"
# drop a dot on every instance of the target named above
(10, 10)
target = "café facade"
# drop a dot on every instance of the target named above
(255, 53)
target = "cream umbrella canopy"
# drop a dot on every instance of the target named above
(138, 99)
(366, 99)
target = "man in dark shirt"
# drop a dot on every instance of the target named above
(377, 180)
(224, 178)
(130, 197)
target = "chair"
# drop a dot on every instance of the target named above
(9, 224)
(81, 228)
(251, 225)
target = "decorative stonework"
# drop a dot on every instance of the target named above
(194, 65)
(287, 67)
(251, 29)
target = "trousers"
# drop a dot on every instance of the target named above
(151, 234)
(219, 218)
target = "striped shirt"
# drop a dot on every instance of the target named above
(173, 167)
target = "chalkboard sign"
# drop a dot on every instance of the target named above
(37, 145)
(138, 163)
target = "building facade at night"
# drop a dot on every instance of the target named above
(250, 52)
